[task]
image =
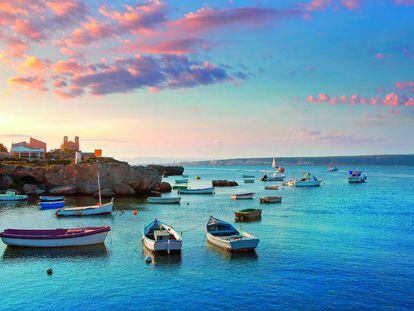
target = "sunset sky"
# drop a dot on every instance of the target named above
(210, 79)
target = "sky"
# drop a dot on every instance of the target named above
(211, 79)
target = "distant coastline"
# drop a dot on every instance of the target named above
(401, 159)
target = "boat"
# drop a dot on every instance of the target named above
(243, 196)
(357, 177)
(247, 214)
(97, 209)
(272, 187)
(209, 190)
(274, 163)
(55, 237)
(197, 177)
(307, 180)
(47, 198)
(159, 237)
(12, 196)
(249, 176)
(181, 181)
(184, 176)
(177, 187)
(275, 177)
(51, 204)
(249, 181)
(332, 168)
(271, 199)
(164, 200)
(224, 235)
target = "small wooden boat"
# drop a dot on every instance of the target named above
(181, 181)
(249, 176)
(249, 181)
(224, 235)
(177, 187)
(159, 237)
(47, 198)
(271, 187)
(209, 190)
(51, 204)
(271, 199)
(243, 196)
(97, 209)
(357, 177)
(55, 237)
(12, 196)
(248, 213)
(164, 200)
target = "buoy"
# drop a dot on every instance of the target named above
(134, 212)
(49, 271)
(281, 169)
(148, 259)
(188, 203)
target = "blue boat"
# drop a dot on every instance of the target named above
(48, 198)
(51, 205)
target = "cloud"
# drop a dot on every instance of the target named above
(339, 137)
(30, 82)
(319, 5)
(179, 46)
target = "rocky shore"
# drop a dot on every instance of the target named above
(116, 178)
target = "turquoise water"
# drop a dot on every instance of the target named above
(338, 246)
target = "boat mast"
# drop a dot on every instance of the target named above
(99, 189)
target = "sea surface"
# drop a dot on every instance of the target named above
(338, 246)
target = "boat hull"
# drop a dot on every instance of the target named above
(245, 196)
(196, 191)
(272, 188)
(311, 183)
(161, 200)
(269, 200)
(356, 180)
(242, 245)
(46, 198)
(170, 246)
(86, 211)
(21, 197)
(51, 204)
(181, 181)
(248, 215)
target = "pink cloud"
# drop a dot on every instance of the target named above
(391, 99)
(31, 82)
(351, 4)
(179, 47)
(316, 5)
(405, 85)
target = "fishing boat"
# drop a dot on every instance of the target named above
(12, 196)
(209, 190)
(357, 177)
(307, 180)
(271, 199)
(224, 235)
(164, 200)
(249, 176)
(243, 196)
(159, 237)
(249, 181)
(55, 237)
(181, 181)
(272, 187)
(47, 198)
(247, 214)
(51, 204)
(177, 187)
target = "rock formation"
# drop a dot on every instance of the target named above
(168, 170)
(224, 183)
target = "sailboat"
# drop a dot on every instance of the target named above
(274, 164)
(97, 209)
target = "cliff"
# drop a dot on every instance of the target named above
(168, 170)
(116, 178)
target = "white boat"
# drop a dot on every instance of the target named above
(225, 236)
(274, 163)
(307, 180)
(97, 209)
(181, 181)
(357, 177)
(332, 168)
(159, 237)
(209, 190)
(12, 196)
(243, 196)
(55, 237)
(164, 200)
(275, 177)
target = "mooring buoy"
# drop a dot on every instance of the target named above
(49, 271)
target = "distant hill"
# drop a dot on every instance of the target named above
(402, 159)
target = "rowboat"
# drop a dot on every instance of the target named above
(209, 190)
(159, 237)
(271, 187)
(47, 198)
(164, 200)
(176, 187)
(55, 237)
(224, 235)
(51, 204)
(357, 177)
(249, 176)
(181, 181)
(243, 196)
(307, 180)
(249, 181)
(97, 209)
(271, 199)
(248, 213)
(12, 196)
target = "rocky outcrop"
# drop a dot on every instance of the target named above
(105, 193)
(168, 170)
(118, 178)
(164, 187)
(32, 189)
(224, 183)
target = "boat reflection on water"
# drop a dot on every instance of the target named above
(255, 219)
(91, 251)
(173, 259)
(242, 256)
